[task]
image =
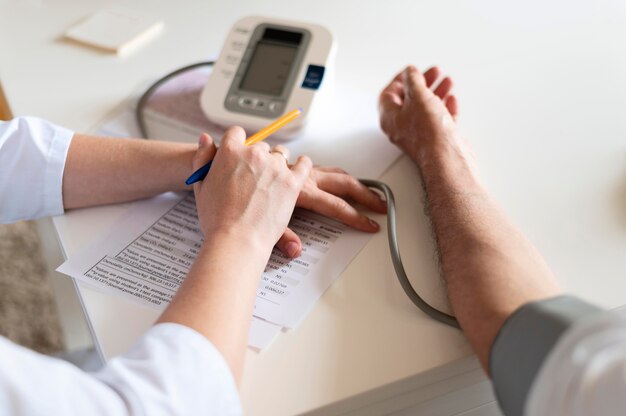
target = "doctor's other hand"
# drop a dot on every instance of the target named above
(325, 192)
(418, 112)
(250, 192)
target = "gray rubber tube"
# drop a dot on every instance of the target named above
(394, 250)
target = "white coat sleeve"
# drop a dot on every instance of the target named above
(172, 370)
(32, 159)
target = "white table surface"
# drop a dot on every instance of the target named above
(542, 92)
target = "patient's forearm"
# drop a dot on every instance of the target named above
(104, 170)
(490, 268)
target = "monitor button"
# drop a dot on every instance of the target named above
(276, 107)
(232, 99)
(232, 59)
(238, 45)
(247, 102)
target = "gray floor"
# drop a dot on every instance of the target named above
(38, 307)
(28, 311)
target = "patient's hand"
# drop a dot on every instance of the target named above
(418, 113)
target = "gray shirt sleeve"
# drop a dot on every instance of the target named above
(523, 343)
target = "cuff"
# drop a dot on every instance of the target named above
(55, 168)
(523, 343)
(174, 370)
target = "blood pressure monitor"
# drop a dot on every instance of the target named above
(267, 68)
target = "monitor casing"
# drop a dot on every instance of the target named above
(225, 102)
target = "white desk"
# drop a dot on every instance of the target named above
(542, 93)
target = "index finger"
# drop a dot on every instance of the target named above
(233, 138)
(414, 83)
(395, 87)
(337, 208)
(348, 186)
(398, 78)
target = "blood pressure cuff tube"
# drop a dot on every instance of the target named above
(524, 342)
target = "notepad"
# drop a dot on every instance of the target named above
(115, 31)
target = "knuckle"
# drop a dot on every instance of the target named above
(236, 131)
(338, 170)
(227, 143)
(232, 136)
(352, 182)
(340, 204)
(256, 153)
(263, 146)
(306, 160)
(306, 163)
(291, 182)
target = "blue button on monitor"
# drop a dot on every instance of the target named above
(314, 76)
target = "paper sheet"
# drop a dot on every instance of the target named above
(343, 132)
(146, 255)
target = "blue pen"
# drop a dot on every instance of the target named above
(200, 174)
(262, 134)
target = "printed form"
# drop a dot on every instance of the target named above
(146, 255)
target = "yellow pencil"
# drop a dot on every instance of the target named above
(260, 135)
(265, 132)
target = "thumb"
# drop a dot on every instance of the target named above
(205, 153)
(290, 244)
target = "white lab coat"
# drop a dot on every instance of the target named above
(171, 370)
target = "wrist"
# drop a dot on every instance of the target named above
(184, 163)
(440, 153)
(242, 242)
(447, 162)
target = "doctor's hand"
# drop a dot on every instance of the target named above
(323, 192)
(327, 192)
(418, 113)
(250, 192)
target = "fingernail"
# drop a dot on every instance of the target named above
(292, 249)
(373, 223)
(203, 140)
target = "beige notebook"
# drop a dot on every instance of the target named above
(116, 31)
